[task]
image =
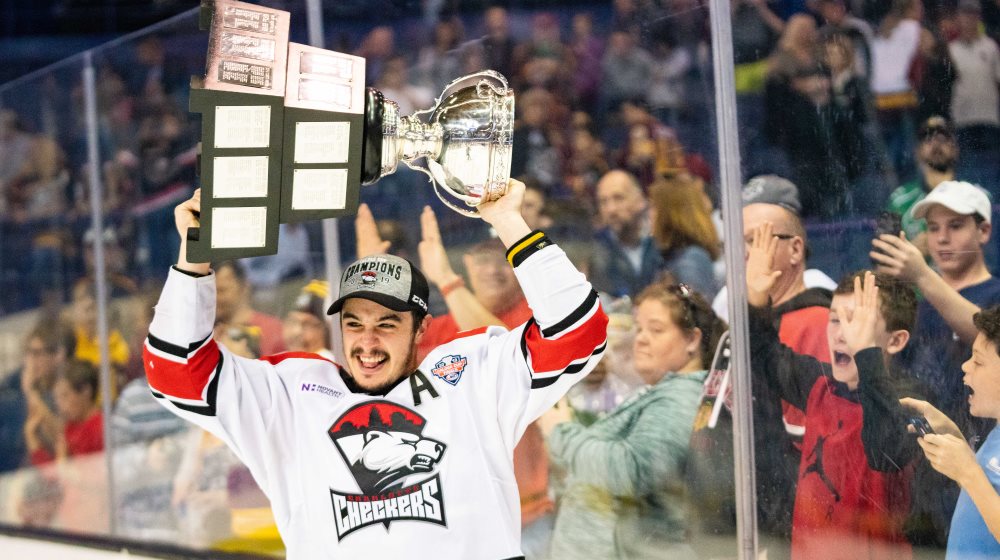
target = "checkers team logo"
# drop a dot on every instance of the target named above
(392, 462)
(450, 368)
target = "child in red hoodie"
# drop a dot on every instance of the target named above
(853, 489)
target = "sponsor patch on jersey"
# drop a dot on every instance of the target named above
(450, 368)
(994, 465)
(394, 465)
(321, 389)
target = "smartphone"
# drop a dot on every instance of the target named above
(890, 223)
(921, 425)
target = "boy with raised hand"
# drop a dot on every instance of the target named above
(853, 487)
(975, 525)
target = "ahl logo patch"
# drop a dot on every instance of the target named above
(382, 444)
(450, 368)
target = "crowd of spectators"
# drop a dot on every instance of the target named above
(846, 108)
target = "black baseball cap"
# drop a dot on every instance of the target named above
(387, 280)
(935, 125)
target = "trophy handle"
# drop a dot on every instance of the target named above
(452, 205)
(438, 191)
(496, 77)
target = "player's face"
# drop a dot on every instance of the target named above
(955, 240)
(982, 376)
(660, 346)
(380, 344)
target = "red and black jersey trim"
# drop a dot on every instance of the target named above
(187, 377)
(207, 409)
(579, 313)
(575, 367)
(582, 336)
(527, 246)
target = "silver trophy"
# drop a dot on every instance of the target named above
(465, 139)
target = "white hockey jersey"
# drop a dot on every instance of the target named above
(424, 471)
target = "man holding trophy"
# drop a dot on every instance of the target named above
(382, 456)
(372, 458)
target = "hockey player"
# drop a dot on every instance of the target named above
(385, 457)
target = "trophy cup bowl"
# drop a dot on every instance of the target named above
(465, 140)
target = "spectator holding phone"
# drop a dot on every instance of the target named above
(958, 226)
(975, 525)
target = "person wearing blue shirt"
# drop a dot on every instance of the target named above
(975, 525)
(958, 227)
(625, 258)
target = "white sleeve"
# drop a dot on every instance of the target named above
(562, 342)
(243, 402)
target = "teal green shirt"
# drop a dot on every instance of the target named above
(624, 493)
(902, 200)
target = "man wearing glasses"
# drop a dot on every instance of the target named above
(937, 155)
(800, 300)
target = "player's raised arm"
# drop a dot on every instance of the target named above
(186, 369)
(568, 331)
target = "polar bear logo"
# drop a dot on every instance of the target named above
(383, 445)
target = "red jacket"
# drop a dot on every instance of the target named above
(853, 489)
(85, 436)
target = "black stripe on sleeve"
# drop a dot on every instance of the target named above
(188, 272)
(167, 347)
(573, 317)
(570, 369)
(173, 349)
(196, 345)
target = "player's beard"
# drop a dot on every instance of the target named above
(407, 366)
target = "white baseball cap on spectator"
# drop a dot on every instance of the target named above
(957, 196)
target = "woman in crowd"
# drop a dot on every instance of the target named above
(681, 225)
(624, 495)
